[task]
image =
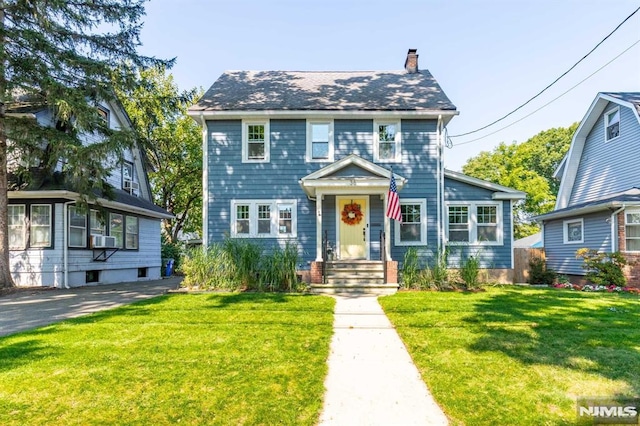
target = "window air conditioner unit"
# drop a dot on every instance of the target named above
(103, 241)
(131, 187)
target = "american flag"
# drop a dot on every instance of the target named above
(393, 201)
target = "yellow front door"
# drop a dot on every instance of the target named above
(353, 228)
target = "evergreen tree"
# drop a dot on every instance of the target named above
(63, 56)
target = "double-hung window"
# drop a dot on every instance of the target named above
(413, 229)
(263, 218)
(255, 142)
(573, 231)
(131, 237)
(96, 223)
(476, 222)
(459, 224)
(487, 223)
(632, 231)
(612, 124)
(77, 228)
(319, 141)
(40, 226)
(116, 228)
(17, 227)
(387, 141)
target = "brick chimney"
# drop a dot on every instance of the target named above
(411, 64)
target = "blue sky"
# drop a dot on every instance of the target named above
(489, 56)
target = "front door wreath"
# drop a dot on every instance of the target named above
(352, 214)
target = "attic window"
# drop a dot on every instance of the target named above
(612, 124)
(104, 115)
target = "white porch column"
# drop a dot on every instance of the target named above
(387, 228)
(319, 197)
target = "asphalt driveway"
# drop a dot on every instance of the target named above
(27, 309)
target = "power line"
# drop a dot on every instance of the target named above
(554, 81)
(551, 101)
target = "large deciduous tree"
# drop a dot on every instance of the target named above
(158, 110)
(63, 55)
(528, 167)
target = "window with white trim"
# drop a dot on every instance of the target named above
(476, 222)
(487, 223)
(263, 218)
(255, 142)
(319, 141)
(116, 228)
(573, 231)
(387, 138)
(77, 227)
(40, 225)
(459, 224)
(127, 175)
(413, 229)
(632, 230)
(612, 124)
(131, 237)
(17, 227)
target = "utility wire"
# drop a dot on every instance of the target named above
(548, 103)
(554, 82)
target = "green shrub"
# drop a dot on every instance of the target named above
(208, 269)
(169, 250)
(469, 271)
(538, 272)
(603, 268)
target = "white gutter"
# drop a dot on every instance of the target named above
(65, 244)
(98, 201)
(614, 234)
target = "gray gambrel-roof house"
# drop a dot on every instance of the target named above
(598, 204)
(308, 156)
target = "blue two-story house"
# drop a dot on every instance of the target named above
(598, 204)
(308, 156)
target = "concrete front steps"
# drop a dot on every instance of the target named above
(354, 277)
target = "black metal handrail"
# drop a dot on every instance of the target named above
(325, 257)
(383, 254)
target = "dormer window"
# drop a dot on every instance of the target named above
(386, 141)
(255, 142)
(612, 124)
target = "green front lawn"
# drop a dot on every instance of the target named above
(518, 355)
(190, 359)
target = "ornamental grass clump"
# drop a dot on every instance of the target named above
(469, 271)
(278, 269)
(410, 269)
(209, 269)
(246, 256)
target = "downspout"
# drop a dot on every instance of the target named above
(440, 186)
(614, 234)
(65, 244)
(205, 184)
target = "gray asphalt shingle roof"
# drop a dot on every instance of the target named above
(631, 97)
(324, 90)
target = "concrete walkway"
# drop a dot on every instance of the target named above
(26, 309)
(372, 379)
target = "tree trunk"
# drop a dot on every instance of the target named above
(5, 271)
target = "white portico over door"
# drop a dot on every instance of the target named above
(350, 179)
